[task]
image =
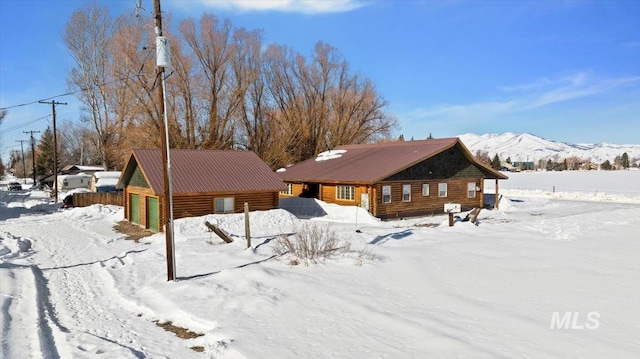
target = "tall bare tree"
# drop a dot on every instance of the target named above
(212, 45)
(88, 36)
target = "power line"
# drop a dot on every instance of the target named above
(23, 125)
(70, 93)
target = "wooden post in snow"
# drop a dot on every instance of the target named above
(496, 202)
(247, 229)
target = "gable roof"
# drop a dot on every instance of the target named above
(203, 171)
(370, 163)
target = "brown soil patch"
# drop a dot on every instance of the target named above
(182, 333)
(132, 231)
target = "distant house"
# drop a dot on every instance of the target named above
(75, 169)
(203, 182)
(69, 182)
(394, 179)
(104, 181)
(70, 170)
(524, 166)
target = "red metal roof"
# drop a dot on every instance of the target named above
(201, 171)
(369, 163)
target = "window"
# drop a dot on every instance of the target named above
(223, 205)
(406, 193)
(289, 190)
(471, 190)
(386, 194)
(425, 189)
(442, 189)
(345, 192)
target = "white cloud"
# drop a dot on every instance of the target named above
(524, 97)
(299, 6)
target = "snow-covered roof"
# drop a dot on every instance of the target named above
(107, 174)
(107, 182)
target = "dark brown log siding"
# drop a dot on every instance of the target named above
(203, 204)
(451, 163)
(197, 204)
(424, 205)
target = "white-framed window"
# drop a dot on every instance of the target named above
(471, 190)
(406, 193)
(345, 192)
(425, 189)
(223, 205)
(289, 190)
(386, 194)
(442, 189)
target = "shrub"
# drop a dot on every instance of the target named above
(312, 243)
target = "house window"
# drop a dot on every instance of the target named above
(406, 193)
(223, 205)
(425, 189)
(471, 190)
(386, 194)
(345, 192)
(289, 190)
(442, 189)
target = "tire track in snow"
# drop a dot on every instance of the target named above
(83, 316)
(26, 314)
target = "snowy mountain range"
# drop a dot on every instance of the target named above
(528, 147)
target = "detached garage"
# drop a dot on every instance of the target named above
(204, 182)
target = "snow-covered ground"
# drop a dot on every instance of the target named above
(543, 277)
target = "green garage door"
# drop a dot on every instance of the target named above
(134, 209)
(153, 214)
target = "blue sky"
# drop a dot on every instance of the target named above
(563, 70)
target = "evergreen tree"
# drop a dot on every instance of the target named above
(44, 159)
(495, 163)
(508, 160)
(625, 160)
(401, 138)
(606, 165)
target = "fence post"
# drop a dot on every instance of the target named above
(247, 229)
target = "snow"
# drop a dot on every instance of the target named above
(330, 155)
(72, 287)
(106, 182)
(527, 147)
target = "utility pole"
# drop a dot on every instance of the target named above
(161, 62)
(55, 148)
(33, 153)
(24, 170)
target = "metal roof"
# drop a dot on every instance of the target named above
(370, 163)
(204, 171)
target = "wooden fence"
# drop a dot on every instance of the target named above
(87, 199)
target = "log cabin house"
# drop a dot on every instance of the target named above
(203, 182)
(393, 179)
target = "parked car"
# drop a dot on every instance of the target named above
(14, 186)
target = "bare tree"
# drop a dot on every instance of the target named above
(483, 157)
(87, 36)
(213, 47)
